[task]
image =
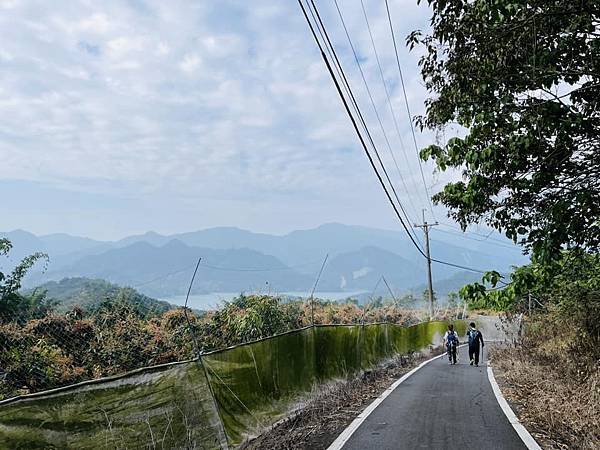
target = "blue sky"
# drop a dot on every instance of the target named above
(124, 116)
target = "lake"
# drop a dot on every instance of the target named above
(214, 300)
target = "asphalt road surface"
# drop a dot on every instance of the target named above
(439, 407)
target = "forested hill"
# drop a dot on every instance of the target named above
(90, 293)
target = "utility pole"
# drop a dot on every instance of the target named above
(426, 227)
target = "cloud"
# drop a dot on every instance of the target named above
(190, 63)
(203, 102)
(96, 23)
(124, 45)
(163, 49)
(8, 4)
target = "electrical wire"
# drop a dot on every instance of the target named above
(249, 269)
(387, 93)
(355, 125)
(412, 129)
(364, 145)
(357, 60)
(375, 110)
(345, 83)
(463, 236)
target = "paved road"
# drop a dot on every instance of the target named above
(439, 407)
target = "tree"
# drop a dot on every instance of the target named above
(14, 306)
(523, 77)
(426, 296)
(452, 299)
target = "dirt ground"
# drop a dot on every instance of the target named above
(331, 409)
(558, 408)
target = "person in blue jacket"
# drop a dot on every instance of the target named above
(451, 342)
(475, 341)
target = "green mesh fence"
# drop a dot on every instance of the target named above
(254, 384)
(258, 383)
(339, 350)
(171, 406)
(164, 407)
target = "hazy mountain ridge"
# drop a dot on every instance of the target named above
(358, 256)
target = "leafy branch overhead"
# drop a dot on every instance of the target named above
(524, 79)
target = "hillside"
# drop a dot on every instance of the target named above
(362, 269)
(90, 293)
(166, 270)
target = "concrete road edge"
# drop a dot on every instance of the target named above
(525, 436)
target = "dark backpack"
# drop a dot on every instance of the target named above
(473, 337)
(451, 339)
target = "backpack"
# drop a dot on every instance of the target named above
(451, 338)
(473, 337)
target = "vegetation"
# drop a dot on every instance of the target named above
(43, 345)
(524, 79)
(89, 293)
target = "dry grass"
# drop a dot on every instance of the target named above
(555, 396)
(331, 408)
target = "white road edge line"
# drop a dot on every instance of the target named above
(349, 431)
(527, 439)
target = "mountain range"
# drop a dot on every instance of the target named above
(235, 260)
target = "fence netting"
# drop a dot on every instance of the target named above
(256, 384)
(161, 407)
(214, 401)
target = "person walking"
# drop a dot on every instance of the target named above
(475, 340)
(451, 343)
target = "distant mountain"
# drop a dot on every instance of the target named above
(361, 270)
(62, 244)
(167, 270)
(24, 243)
(244, 260)
(301, 246)
(61, 248)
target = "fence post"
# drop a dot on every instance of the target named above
(223, 442)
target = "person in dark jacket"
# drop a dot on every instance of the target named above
(475, 340)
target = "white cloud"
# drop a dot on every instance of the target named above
(163, 49)
(96, 23)
(124, 45)
(9, 4)
(190, 63)
(222, 101)
(5, 56)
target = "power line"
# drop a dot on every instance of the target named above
(463, 236)
(412, 129)
(486, 237)
(226, 269)
(250, 269)
(163, 276)
(346, 84)
(185, 308)
(356, 59)
(312, 292)
(387, 94)
(354, 124)
(364, 145)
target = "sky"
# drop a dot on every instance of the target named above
(124, 116)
